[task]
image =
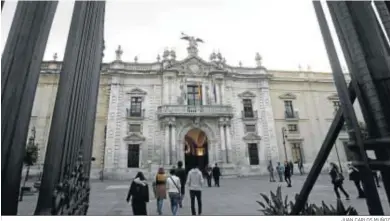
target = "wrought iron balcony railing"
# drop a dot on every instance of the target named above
(249, 115)
(135, 115)
(291, 115)
(195, 111)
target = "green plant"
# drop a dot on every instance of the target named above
(279, 206)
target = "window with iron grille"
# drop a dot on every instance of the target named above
(296, 152)
(288, 106)
(135, 128)
(292, 127)
(194, 95)
(250, 128)
(248, 109)
(253, 154)
(136, 107)
(133, 156)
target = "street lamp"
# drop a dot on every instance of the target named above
(284, 142)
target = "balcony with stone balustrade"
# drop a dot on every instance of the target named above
(195, 111)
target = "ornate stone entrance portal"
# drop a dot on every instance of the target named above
(196, 149)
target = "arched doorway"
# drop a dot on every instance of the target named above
(196, 149)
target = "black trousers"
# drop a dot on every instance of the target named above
(198, 195)
(208, 181)
(139, 208)
(359, 188)
(336, 187)
(288, 180)
(216, 181)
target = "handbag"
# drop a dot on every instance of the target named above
(339, 178)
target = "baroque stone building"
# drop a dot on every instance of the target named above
(200, 112)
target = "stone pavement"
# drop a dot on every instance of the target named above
(236, 196)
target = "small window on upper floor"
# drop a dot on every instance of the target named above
(292, 127)
(336, 105)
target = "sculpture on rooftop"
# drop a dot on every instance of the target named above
(119, 53)
(258, 59)
(55, 57)
(193, 41)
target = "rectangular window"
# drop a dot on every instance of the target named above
(288, 106)
(135, 107)
(253, 154)
(250, 128)
(194, 95)
(336, 105)
(292, 127)
(135, 128)
(248, 109)
(133, 156)
(296, 152)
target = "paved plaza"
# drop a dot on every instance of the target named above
(236, 196)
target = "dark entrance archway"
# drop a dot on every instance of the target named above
(196, 149)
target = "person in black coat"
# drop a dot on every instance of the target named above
(337, 181)
(216, 174)
(287, 173)
(181, 173)
(138, 194)
(209, 174)
(355, 177)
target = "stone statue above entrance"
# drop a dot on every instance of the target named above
(193, 44)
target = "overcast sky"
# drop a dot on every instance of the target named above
(284, 32)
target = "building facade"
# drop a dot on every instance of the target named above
(199, 112)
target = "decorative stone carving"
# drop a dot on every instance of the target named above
(193, 44)
(251, 137)
(134, 138)
(208, 96)
(55, 57)
(288, 96)
(196, 121)
(173, 55)
(158, 58)
(165, 54)
(247, 94)
(118, 53)
(333, 97)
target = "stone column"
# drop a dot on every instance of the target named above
(222, 92)
(174, 157)
(204, 100)
(223, 145)
(166, 91)
(228, 145)
(167, 145)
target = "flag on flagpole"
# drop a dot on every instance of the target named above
(199, 93)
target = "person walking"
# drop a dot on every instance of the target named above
(280, 170)
(174, 189)
(270, 169)
(376, 178)
(300, 167)
(337, 181)
(216, 174)
(181, 173)
(160, 189)
(209, 174)
(355, 177)
(195, 183)
(138, 194)
(287, 173)
(291, 164)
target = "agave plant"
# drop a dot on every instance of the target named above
(277, 206)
